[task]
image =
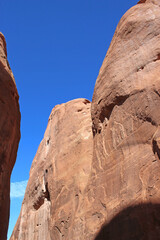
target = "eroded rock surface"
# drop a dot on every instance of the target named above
(9, 134)
(126, 125)
(59, 175)
(115, 194)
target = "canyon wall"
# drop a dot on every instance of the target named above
(58, 176)
(9, 134)
(100, 179)
(126, 127)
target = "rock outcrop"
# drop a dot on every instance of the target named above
(114, 194)
(9, 134)
(126, 126)
(59, 175)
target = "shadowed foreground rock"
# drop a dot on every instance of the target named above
(133, 223)
(120, 189)
(9, 134)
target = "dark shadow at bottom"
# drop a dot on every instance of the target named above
(140, 222)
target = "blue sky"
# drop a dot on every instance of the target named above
(55, 49)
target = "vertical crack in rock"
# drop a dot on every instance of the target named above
(47, 195)
(156, 149)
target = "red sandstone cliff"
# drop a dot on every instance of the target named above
(111, 190)
(9, 134)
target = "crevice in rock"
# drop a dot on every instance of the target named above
(156, 149)
(150, 120)
(48, 141)
(157, 93)
(107, 110)
(141, 1)
(147, 119)
(58, 229)
(99, 101)
(86, 101)
(8, 64)
(60, 232)
(158, 57)
(44, 195)
(140, 69)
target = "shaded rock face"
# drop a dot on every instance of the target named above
(9, 134)
(59, 175)
(113, 190)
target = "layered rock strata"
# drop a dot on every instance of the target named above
(119, 196)
(9, 134)
(59, 174)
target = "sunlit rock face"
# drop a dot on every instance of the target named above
(9, 134)
(59, 175)
(126, 126)
(110, 190)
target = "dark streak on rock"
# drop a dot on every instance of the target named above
(106, 111)
(141, 1)
(158, 57)
(156, 149)
(41, 198)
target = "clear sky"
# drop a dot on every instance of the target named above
(55, 49)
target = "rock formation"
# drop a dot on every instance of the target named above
(114, 194)
(9, 134)
(59, 174)
(126, 124)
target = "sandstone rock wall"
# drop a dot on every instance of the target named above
(126, 126)
(58, 176)
(113, 192)
(9, 134)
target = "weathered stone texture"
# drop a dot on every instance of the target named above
(114, 194)
(9, 134)
(59, 174)
(126, 123)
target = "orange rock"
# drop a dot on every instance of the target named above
(59, 174)
(114, 194)
(126, 120)
(9, 134)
